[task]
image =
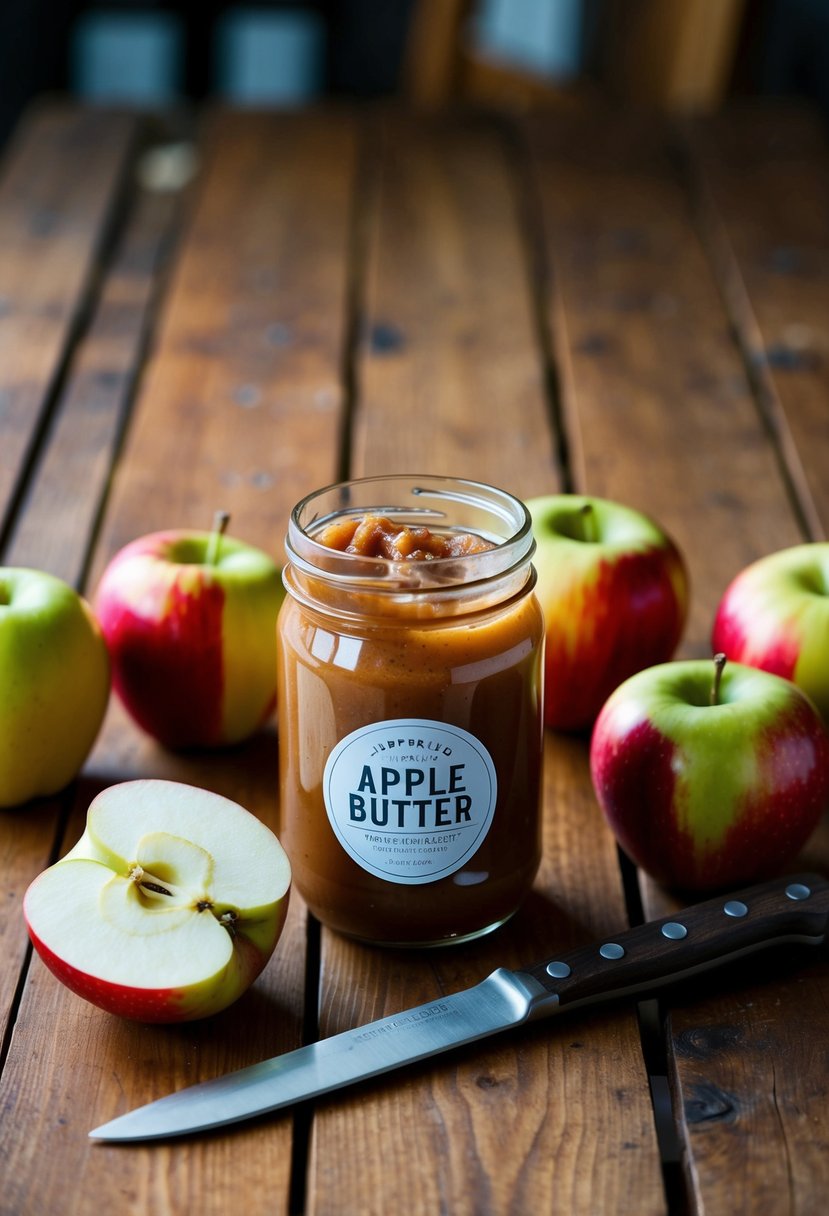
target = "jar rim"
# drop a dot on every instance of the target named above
(449, 503)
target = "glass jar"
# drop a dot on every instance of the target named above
(410, 716)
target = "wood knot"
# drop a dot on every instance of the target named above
(385, 339)
(701, 1042)
(487, 1081)
(708, 1103)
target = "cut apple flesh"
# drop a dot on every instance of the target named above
(98, 923)
(123, 816)
(193, 907)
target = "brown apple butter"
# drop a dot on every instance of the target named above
(410, 708)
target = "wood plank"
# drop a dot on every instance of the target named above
(240, 405)
(448, 223)
(503, 1126)
(650, 369)
(55, 522)
(659, 410)
(750, 1082)
(53, 221)
(58, 511)
(745, 1118)
(247, 362)
(763, 178)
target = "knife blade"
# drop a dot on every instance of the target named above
(703, 936)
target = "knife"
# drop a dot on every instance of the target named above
(706, 935)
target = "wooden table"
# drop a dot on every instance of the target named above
(575, 303)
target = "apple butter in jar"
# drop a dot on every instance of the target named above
(410, 708)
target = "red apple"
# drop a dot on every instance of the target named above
(190, 622)
(614, 591)
(775, 615)
(167, 908)
(706, 781)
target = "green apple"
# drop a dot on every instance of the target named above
(167, 908)
(54, 684)
(190, 622)
(775, 615)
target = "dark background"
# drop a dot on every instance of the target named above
(784, 46)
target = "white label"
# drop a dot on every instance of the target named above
(410, 800)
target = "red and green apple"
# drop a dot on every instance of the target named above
(775, 615)
(54, 684)
(614, 590)
(190, 622)
(167, 908)
(710, 775)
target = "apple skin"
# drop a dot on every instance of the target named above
(192, 643)
(54, 684)
(100, 864)
(775, 615)
(614, 592)
(183, 1004)
(706, 796)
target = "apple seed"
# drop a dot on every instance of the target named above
(139, 876)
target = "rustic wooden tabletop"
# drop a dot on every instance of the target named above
(583, 302)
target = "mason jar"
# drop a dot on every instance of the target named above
(410, 712)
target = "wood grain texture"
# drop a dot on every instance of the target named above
(242, 394)
(53, 222)
(750, 1083)
(427, 237)
(450, 369)
(450, 375)
(763, 177)
(240, 406)
(659, 409)
(66, 489)
(662, 415)
(749, 1070)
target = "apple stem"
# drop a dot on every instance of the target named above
(719, 667)
(220, 521)
(587, 517)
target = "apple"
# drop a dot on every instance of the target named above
(167, 908)
(190, 622)
(614, 591)
(775, 615)
(710, 778)
(54, 684)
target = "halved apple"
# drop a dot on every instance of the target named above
(167, 908)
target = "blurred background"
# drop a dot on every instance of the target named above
(293, 53)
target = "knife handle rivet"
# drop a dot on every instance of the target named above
(611, 950)
(674, 931)
(735, 907)
(559, 971)
(798, 890)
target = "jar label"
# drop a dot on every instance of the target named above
(410, 800)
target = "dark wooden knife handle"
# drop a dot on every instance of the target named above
(702, 936)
